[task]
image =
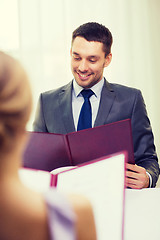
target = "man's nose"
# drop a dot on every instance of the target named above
(83, 66)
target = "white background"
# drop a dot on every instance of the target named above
(38, 32)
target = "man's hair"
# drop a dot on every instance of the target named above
(93, 31)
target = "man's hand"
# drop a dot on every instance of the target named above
(136, 177)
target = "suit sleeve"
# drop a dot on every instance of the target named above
(39, 122)
(144, 148)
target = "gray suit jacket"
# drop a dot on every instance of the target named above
(54, 115)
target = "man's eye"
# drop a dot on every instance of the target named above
(77, 58)
(92, 61)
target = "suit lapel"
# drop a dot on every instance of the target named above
(65, 104)
(106, 102)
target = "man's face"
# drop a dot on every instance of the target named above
(88, 61)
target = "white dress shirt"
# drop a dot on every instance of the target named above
(78, 100)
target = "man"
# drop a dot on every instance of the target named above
(59, 110)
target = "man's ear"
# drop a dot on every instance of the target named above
(108, 59)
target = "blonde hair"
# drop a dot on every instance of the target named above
(15, 100)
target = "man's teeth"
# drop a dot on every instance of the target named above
(82, 75)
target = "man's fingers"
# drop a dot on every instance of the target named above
(135, 168)
(131, 167)
(130, 174)
(136, 177)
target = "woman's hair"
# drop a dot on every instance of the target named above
(15, 101)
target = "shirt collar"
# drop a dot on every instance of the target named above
(97, 88)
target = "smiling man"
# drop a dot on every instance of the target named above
(60, 110)
(88, 61)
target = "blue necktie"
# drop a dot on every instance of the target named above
(85, 117)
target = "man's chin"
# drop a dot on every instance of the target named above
(84, 84)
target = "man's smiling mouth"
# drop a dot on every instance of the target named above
(84, 76)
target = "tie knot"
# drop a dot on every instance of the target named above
(87, 93)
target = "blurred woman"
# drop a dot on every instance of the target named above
(25, 214)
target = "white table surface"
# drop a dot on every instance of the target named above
(142, 214)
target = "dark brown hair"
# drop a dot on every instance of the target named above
(93, 31)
